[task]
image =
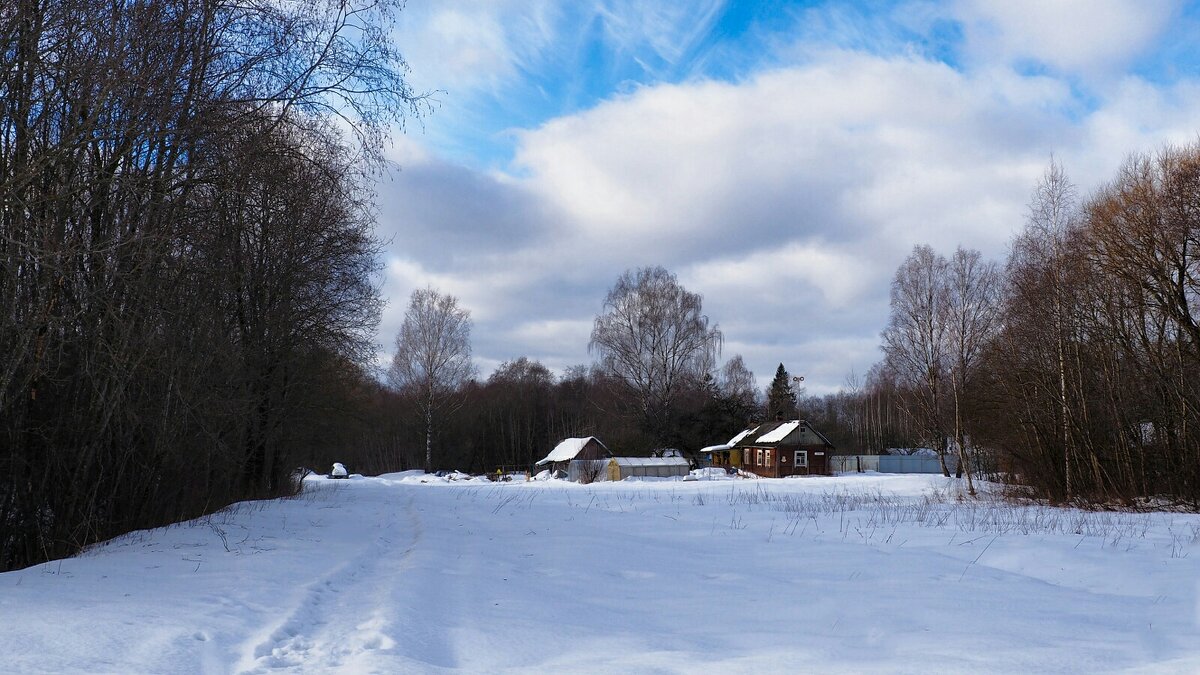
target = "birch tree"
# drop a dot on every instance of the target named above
(1053, 210)
(653, 336)
(737, 382)
(972, 308)
(915, 340)
(433, 357)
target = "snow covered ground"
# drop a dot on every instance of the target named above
(861, 573)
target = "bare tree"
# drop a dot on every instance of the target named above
(914, 340)
(433, 356)
(653, 336)
(972, 309)
(737, 382)
(1053, 210)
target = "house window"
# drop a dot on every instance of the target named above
(760, 457)
(768, 458)
(802, 458)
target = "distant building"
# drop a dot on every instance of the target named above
(559, 459)
(620, 468)
(775, 450)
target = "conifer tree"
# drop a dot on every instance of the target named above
(781, 398)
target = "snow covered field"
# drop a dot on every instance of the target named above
(868, 573)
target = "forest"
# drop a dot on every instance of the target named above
(191, 292)
(188, 251)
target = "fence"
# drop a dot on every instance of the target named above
(890, 463)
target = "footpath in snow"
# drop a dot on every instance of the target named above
(412, 574)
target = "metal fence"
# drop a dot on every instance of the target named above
(890, 463)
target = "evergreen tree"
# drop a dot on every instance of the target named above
(781, 399)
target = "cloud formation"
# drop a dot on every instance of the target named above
(786, 197)
(1070, 36)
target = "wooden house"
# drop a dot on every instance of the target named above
(791, 448)
(561, 456)
(775, 450)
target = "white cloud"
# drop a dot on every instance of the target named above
(902, 148)
(1085, 36)
(787, 199)
(840, 277)
(470, 45)
(667, 29)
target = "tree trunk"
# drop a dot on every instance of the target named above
(960, 438)
(429, 439)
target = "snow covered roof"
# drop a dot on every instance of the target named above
(650, 461)
(779, 433)
(734, 441)
(772, 433)
(717, 448)
(566, 450)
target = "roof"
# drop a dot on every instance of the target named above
(779, 433)
(775, 433)
(736, 439)
(566, 450)
(650, 461)
(717, 448)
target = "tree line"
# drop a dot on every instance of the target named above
(655, 385)
(1069, 369)
(189, 261)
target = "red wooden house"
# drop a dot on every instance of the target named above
(785, 448)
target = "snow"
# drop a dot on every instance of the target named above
(566, 450)
(715, 448)
(779, 433)
(338, 470)
(650, 461)
(710, 473)
(411, 573)
(736, 439)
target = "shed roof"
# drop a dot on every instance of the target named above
(650, 461)
(736, 439)
(567, 449)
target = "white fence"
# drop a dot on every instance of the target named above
(890, 463)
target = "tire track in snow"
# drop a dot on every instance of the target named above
(344, 616)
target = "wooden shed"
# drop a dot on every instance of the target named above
(726, 455)
(569, 449)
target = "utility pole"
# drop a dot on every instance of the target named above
(796, 380)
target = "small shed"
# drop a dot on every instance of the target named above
(620, 468)
(559, 459)
(727, 455)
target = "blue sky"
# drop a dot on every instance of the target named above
(780, 157)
